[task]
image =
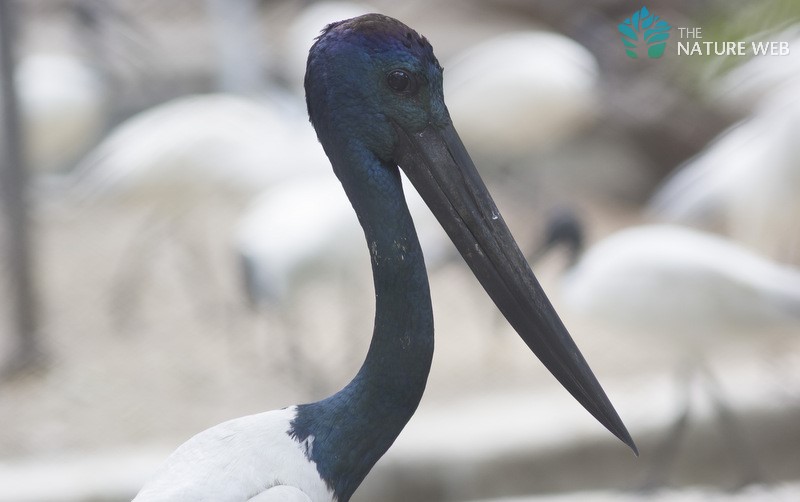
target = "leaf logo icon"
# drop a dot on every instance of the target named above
(644, 26)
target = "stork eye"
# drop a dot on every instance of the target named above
(401, 82)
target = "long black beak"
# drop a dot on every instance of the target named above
(438, 166)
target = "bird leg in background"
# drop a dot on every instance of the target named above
(295, 361)
(666, 451)
(127, 288)
(741, 449)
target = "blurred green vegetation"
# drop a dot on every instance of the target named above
(738, 21)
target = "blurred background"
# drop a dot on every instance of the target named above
(176, 251)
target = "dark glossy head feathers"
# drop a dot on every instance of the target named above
(368, 72)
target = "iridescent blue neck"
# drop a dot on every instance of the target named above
(353, 428)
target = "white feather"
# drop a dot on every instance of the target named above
(240, 460)
(661, 278)
(281, 493)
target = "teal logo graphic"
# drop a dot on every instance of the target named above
(644, 29)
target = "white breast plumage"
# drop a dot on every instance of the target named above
(243, 459)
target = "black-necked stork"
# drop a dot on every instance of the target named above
(374, 96)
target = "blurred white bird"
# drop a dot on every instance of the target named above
(301, 232)
(305, 224)
(184, 163)
(682, 285)
(293, 226)
(521, 93)
(669, 279)
(196, 145)
(63, 108)
(746, 184)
